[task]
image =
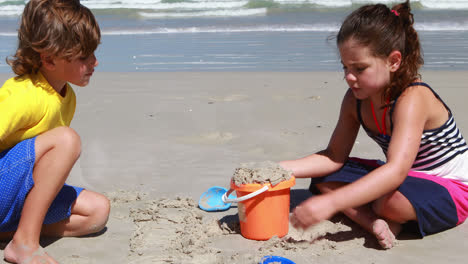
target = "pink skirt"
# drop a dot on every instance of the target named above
(440, 204)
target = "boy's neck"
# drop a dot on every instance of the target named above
(58, 85)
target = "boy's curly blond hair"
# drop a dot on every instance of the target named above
(59, 28)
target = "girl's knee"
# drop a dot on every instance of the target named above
(395, 207)
(326, 187)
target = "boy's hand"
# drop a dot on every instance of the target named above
(312, 211)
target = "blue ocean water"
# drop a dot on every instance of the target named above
(243, 35)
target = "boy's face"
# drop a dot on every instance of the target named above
(78, 71)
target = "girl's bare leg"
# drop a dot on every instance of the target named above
(394, 208)
(56, 152)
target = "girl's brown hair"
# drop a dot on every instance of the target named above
(61, 28)
(384, 30)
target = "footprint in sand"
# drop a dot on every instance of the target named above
(282, 97)
(291, 133)
(215, 137)
(229, 98)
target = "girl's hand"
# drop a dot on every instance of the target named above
(312, 211)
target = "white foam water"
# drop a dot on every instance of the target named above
(228, 8)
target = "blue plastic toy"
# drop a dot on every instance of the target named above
(275, 259)
(211, 200)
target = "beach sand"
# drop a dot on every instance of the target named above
(154, 142)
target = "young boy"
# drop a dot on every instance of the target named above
(56, 44)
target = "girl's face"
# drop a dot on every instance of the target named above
(366, 74)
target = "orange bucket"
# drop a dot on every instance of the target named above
(267, 214)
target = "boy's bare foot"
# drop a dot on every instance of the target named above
(384, 234)
(23, 254)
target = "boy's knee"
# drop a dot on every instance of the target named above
(100, 213)
(64, 139)
(67, 137)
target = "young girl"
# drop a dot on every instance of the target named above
(424, 178)
(57, 40)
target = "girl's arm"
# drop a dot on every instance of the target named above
(409, 117)
(340, 145)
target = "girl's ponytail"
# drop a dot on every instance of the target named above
(384, 30)
(412, 58)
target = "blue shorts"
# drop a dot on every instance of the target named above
(16, 168)
(440, 204)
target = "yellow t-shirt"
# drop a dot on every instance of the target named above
(29, 106)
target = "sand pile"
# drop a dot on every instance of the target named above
(260, 172)
(175, 230)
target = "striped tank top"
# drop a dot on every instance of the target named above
(438, 146)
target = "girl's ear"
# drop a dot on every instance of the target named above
(47, 61)
(394, 60)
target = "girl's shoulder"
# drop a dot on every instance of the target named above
(418, 92)
(423, 101)
(424, 90)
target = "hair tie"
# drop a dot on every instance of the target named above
(395, 12)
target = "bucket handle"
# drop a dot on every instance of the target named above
(243, 198)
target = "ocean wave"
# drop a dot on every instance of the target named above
(216, 13)
(156, 5)
(11, 10)
(8, 34)
(434, 27)
(211, 4)
(274, 28)
(441, 26)
(173, 7)
(185, 30)
(444, 5)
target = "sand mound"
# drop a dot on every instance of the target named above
(260, 172)
(176, 231)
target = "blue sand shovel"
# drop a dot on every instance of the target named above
(275, 259)
(211, 200)
(220, 199)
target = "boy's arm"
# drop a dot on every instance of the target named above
(339, 147)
